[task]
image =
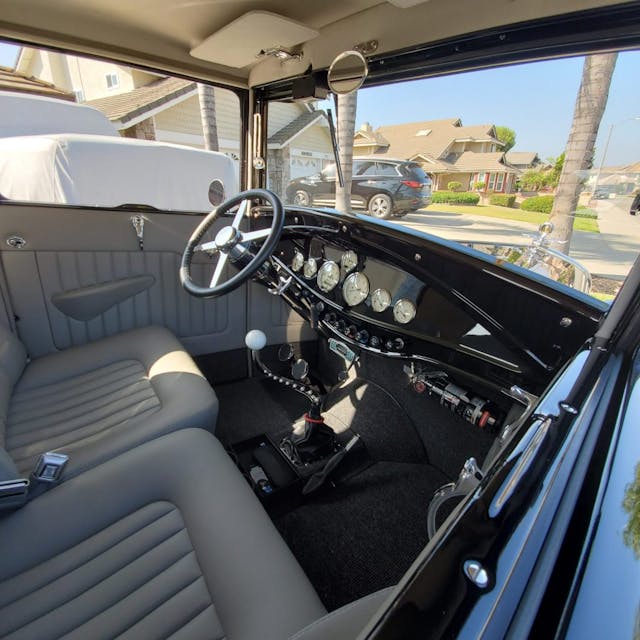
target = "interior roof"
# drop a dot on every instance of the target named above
(160, 33)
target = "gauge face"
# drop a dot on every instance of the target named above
(349, 261)
(404, 311)
(355, 289)
(380, 300)
(310, 268)
(297, 262)
(328, 276)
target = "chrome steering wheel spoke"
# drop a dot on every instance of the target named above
(240, 214)
(251, 236)
(217, 273)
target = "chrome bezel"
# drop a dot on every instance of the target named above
(297, 255)
(343, 260)
(387, 302)
(310, 261)
(329, 265)
(347, 283)
(400, 302)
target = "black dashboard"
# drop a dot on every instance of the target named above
(405, 295)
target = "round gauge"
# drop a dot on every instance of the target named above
(297, 262)
(328, 276)
(349, 261)
(404, 311)
(355, 289)
(310, 268)
(380, 300)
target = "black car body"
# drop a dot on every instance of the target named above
(383, 188)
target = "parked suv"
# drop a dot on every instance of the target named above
(384, 188)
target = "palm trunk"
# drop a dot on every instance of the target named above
(590, 105)
(347, 105)
(207, 101)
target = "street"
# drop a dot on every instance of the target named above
(608, 254)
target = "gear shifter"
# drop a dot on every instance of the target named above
(317, 441)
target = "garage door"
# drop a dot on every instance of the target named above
(302, 166)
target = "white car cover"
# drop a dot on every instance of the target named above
(26, 115)
(101, 171)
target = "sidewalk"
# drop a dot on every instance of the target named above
(608, 254)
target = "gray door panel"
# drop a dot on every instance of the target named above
(70, 249)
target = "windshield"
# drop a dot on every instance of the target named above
(487, 157)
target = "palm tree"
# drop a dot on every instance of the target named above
(207, 101)
(590, 104)
(346, 115)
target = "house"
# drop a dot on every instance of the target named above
(146, 105)
(447, 150)
(12, 80)
(525, 160)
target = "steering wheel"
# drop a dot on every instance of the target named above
(232, 244)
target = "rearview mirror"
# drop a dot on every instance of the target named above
(347, 72)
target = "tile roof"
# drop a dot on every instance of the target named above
(291, 130)
(11, 80)
(471, 161)
(125, 107)
(521, 157)
(436, 136)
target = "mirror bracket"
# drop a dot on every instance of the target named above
(366, 48)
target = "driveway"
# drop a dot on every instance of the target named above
(608, 254)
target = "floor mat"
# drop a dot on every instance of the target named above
(364, 534)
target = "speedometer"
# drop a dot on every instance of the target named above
(404, 311)
(355, 289)
(328, 276)
(349, 261)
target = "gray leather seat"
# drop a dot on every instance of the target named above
(96, 401)
(164, 541)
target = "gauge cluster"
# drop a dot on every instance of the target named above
(353, 280)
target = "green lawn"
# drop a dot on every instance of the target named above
(505, 213)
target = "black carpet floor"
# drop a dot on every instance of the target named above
(363, 533)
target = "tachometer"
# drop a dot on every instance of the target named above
(297, 262)
(349, 261)
(355, 289)
(404, 311)
(328, 276)
(310, 268)
(380, 300)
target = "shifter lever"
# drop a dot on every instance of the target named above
(256, 340)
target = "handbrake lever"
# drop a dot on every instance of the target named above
(319, 477)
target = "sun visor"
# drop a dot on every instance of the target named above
(239, 43)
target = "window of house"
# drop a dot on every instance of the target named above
(492, 182)
(79, 94)
(112, 80)
(499, 181)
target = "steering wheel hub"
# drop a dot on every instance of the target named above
(227, 238)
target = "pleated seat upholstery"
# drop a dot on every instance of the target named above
(98, 400)
(166, 540)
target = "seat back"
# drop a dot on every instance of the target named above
(13, 359)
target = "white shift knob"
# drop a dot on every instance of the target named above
(255, 340)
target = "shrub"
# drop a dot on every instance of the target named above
(455, 197)
(541, 204)
(585, 212)
(478, 186)
(454, 186)
(505, 200)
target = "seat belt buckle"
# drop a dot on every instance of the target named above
(13, 493)
(49, 467)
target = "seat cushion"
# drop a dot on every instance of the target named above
(166, 540)
(95, 401)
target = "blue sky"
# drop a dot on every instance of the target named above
(536, 100)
